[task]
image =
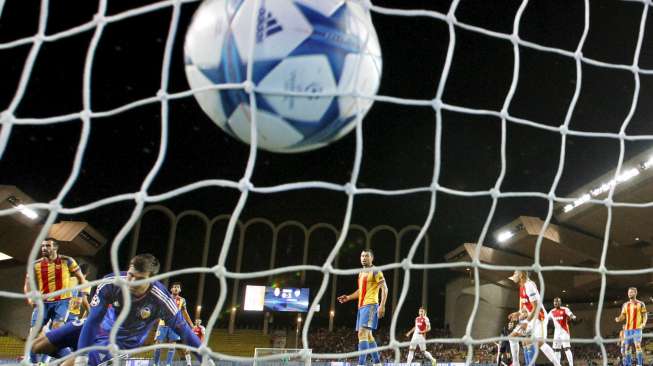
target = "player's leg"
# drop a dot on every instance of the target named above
(372, 324)
(53, 342)
(628, 342)
(557, 346)
(59, 319)
(363, 344)
(411, 354)
(638, 347)
(514, 350)
(174, 338)
(539, 329)
(362, 321)
(421, 345)
(160, 338)
(188, 357)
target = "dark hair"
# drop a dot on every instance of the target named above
(176, 283)
(632, 288)
(145, 263)
(369, 251)
(54, 241)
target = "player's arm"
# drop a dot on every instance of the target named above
(86, 307)
(344, 298)
(428, 326)
(98, 308)
(410, 332)
(644, 315)
(77, 272)
(184, 311)
(570, 314)
(26, 290)
(384, 295)
(621, 316)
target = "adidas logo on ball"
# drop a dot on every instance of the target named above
(266, 25)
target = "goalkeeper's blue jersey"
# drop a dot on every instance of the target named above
(143, 313)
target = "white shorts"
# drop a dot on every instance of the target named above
(418, 341)
(537, 328)
(561, 339)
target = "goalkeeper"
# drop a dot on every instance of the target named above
(149, 303)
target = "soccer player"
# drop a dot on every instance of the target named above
(634, 313)
(422, 326)
(370, 283)
(535, 316)
(199, 331)
(150, 302)
(165, 334)
(52, 272)
(561, 336)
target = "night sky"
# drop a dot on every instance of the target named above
(398, 149)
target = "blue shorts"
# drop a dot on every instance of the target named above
(368, 317)
(55, 311)
(68, 335)
(166, 334)
(632, 336)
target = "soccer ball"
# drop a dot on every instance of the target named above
(326, 49)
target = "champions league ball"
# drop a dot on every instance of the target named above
(326, 49)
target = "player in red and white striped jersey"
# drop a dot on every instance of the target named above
(535, 316)
(199, 331)
(422, 326)
(561, 316)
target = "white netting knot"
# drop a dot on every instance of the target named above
(608, 202)
(603, 269)
(503, 113)
(436, 104)
(514, 37)
(119, 281)
(55, 205)
(395, 344)
(140, 196)
(350, 189)
(578, 54)
(245, 185)
(405, 264)
(162, 95)
(34, 296)
(85, 115)
(536, 267)
(327, 268)
(551, 196)
(466, 339)
(113, 348)
(99, 19)
(494, 193)
(249, 86)
(219, 271)
(204, 350)
(564, 130)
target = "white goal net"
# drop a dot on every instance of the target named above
(506, 53)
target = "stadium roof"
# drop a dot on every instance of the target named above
(630, 225)
(561, 246)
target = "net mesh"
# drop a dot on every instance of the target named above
(351, 189)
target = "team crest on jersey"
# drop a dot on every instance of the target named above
(145, 312)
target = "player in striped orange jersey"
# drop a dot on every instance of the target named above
(53, 273)
(370, 283)
(634, 313)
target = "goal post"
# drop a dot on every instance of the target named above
(286, 356)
